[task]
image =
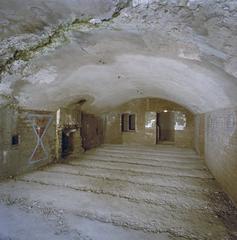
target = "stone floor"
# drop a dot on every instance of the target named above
(118, 192)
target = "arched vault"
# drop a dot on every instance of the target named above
(183, 51)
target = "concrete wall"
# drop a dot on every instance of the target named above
(143, 135)
(17, 159)
(221, 148)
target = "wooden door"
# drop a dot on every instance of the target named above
(91, 131)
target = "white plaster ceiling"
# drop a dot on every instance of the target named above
(183, 51)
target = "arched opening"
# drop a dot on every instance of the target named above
(118, 119)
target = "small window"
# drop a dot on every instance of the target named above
(15, 139)
(128, 122)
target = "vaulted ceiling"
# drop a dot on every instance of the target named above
(105, 51)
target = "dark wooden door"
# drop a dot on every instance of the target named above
(91, 131)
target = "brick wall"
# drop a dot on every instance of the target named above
(221, 148)
(23, 157)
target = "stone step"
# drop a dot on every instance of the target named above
(144, 169)
(155, 148)
(145, 154)
(120, 212)
(168, 196)
(146, 162)
(179, 183)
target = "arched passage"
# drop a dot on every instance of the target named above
(107, 68)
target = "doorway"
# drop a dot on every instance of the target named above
(67, 143)
(91, 131)
(165, 131)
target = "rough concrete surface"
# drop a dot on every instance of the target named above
(176, 50)
(118, 192)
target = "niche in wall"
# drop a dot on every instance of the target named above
(15, 139)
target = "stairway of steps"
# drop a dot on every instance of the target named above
(122, 192)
